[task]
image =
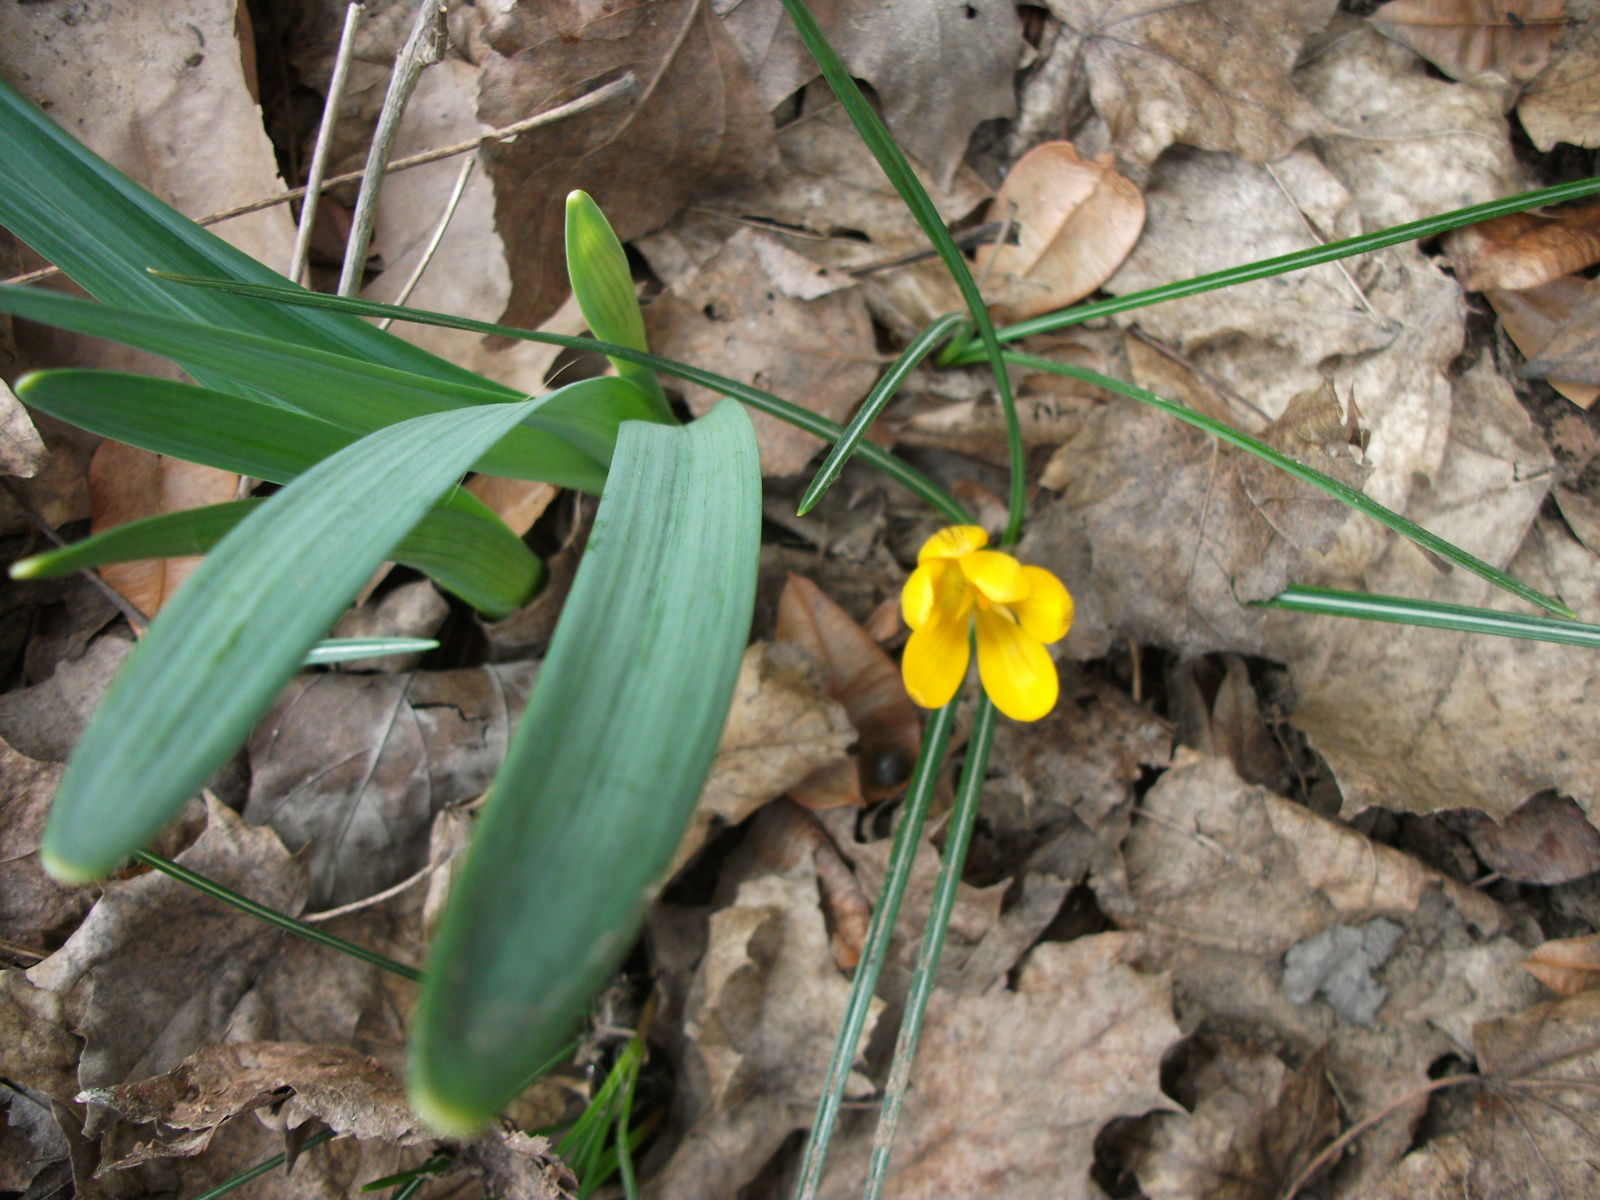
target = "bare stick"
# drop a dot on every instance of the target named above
(423, 48)
(433, 243)
(319, 156)
(626, 85)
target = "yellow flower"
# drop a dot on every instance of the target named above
(1018, 611)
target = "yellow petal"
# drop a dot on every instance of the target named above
(1015, 669)
(998, 576)
(1046, 613)
(935, 662)
(917, 599)
(952, 542)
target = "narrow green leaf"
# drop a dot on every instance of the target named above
(263, 1167)
(908, 477)
(877, 138)
(1341, 493)
(1299, 260)
(338, 650)
(216, 656)
(1401, 611)
(597, 267)
(604, 769)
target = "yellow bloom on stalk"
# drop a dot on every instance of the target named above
(1018, 611)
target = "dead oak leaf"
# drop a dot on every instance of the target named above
(1573, 351)
(696, 124)
(22, 450)
(1567, 966)
(1525, 250)
(1213, 74)
(1545, 840)
(1466, 38)
(1531, 318)
(1563, 103)
(31, 902)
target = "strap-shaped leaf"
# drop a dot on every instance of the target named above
(338, 650)
(214, 658)
(604, 769)
(568, 444)
(1398, 610)
(104, 231)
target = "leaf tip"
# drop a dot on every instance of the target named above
(443, 1116)
(72, 874)
(27, 568)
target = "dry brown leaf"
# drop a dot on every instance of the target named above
(978, 428)
(410, 610)
(520, 1166)
(780, 835)
(38, 1070)
(1563, 103)
(1011, 1088)
(32, 904)
(22, 450)
(696, 124)
(1076, 221)
(939, 69)
(782, 726)
(1531, 318)
(862, 678)
(45, 720)
(1567, 966)
(762, 1014)
(59, 490)
(127, 484)
(157, 969)
(1573, 351)
(1582, 516)
(1525, 250)
(350, 769)
(1213, 74)
(1254, 1126)
(1466, 38)
(1545, 840)
(517, 502)
(762, 314)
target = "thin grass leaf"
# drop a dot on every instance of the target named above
(430, 1166)
(262, 1168)
(905, 475)
(602, 284)
(216, 656)
(338, 650)
(897, 873)
(604, 769)
(1299, 260)
(103, 230)
(877, 138)
(1400, 611)
(1345, 495)
(921, 346)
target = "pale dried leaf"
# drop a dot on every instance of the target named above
(1466, 38)
(45, 720)
(22, 450)
(1076, 221)
(1525, 250)
(1567, 966)
(974, 914)
(127, 484)
(781, 834)
(1573, 351)
(38, 1068)
(31, 902)
(520, 1166)
(1545, 840)
(1563, 103)
(762, 314)
(350, 769)
(517, 502)
(1582, 516)
(977, 427)
(1531, 318)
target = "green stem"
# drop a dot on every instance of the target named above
(630, 1187)
(272, 916)
(1345, 495)
(921, 346)
(880, 930)
(262, 1167)
(957, 839)
(1299, 260)
(905, 181)
(1400, 611)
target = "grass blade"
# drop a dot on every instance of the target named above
(905, 475)
(1298, 261)
(1345, 495)
(921, 346)
(876, 136)
(1400, 611)
(338, 650)
(604, 768)
(262, 1167)
(216, 656)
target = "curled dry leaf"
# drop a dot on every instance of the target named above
(1567, 966)
(1563, 103)
(31, 903)
(1466, 38)
(517, 502)
(695, 124)
(1545, 840)
(351, 769)
(1076, 221)
(520, 1166)
(1531, 318)
(764, 315)
(781, 834)
(22, 450)
(1524, 250)
(1573, 351)
(781, 727)
(867, 682)
(126, 484)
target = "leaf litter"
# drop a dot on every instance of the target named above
(1191, 949)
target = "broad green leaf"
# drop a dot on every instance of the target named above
(338, 650)
(1398, 610)
(461, 543)
(216, 656)
(104, 231)
(603, 771)
(566, 444)
(597, 267)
